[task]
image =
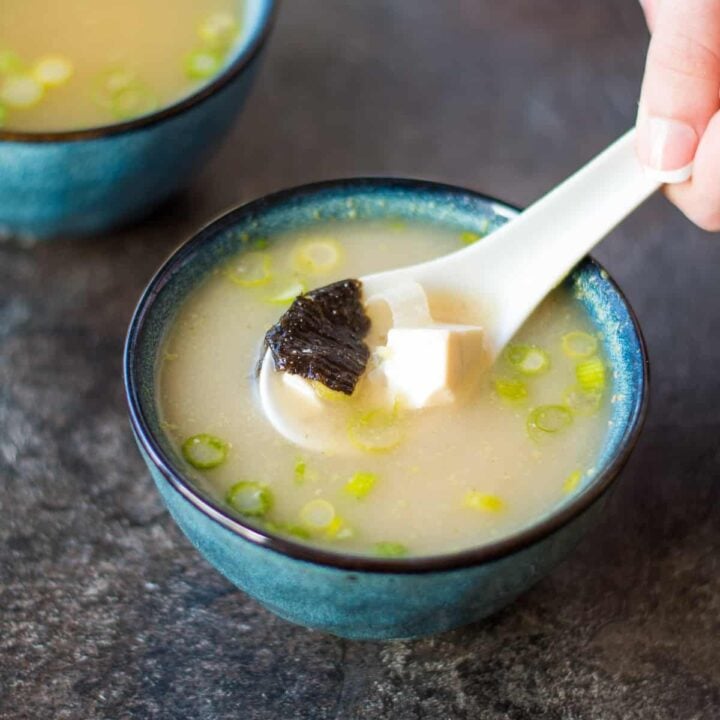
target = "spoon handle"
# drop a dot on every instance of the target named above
(513, 269)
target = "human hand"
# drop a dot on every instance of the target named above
(678, 119)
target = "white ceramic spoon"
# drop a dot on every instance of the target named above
(504, 277)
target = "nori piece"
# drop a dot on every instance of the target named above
(320, 336)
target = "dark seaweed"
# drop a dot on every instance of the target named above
(320, 336)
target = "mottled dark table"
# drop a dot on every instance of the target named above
(105, 610)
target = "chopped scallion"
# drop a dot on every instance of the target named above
(482, 501)
(548, 419)
(375, 431)
(338, 530)
(202, 64)
(390, 549)
(250, 498)
(111, 82)
(218, 30)
(572, 481)
(591, 374)
(317, 256)
(52, 70)
(204, 451)
(317, 514)
(251, 270)
(326, 393)
(583, 402)
(10, 63)
(21, 91)
(302, 473)
(132, 102)
(287, 294)
(578, 344)
(468, 238)
(527, 359)
(284, 529)
(509, 389)
(360, 484)
(120, 91)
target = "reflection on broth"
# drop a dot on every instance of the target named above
(417, 482)
(83, 63)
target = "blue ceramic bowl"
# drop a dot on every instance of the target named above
(348, 595)
(86, 181)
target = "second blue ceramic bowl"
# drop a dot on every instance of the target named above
(86, 181)
(348, 595)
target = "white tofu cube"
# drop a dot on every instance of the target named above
(433, 365)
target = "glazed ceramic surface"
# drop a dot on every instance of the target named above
(353, 596)
(86, 181)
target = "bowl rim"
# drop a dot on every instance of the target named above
(468, 557)
(186, 102)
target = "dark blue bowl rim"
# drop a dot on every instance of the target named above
(433, 563)
(186, 102)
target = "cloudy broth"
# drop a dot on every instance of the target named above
(458, 476)
(84, 63)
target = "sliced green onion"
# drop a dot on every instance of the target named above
(578, 344)
(338, 530)
(218, 30)
(390, 549)
(10, 63)
(119, 91)
(508, 389)
(326, 393)
(202, 64)
(375, 431)
(21, 91)
(548, 419)
(284, 529)
(591, 374)
(583, 402)
(132, 102)
(109, 83)
(360, 484)
(52, 70)
(528, 359)
(482, 501)
(302, 473)
(468, 238)
(204, 451)
(572, 481)
(288, 294)
(317, 256)
(317, 514)
(251, 270)
(397, 225)
(250, 498)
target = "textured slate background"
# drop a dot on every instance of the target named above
(105, 610)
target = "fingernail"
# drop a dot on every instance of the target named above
(666, 147)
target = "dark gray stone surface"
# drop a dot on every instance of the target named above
(105, 610)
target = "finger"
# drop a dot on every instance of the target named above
(680, 87)
(649, 8)
(699, 198)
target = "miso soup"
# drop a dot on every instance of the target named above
(417, 482)
(84, 63)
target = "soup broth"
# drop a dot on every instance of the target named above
(84, 63)
(448, 477)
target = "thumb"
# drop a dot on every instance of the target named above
(680, 87)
